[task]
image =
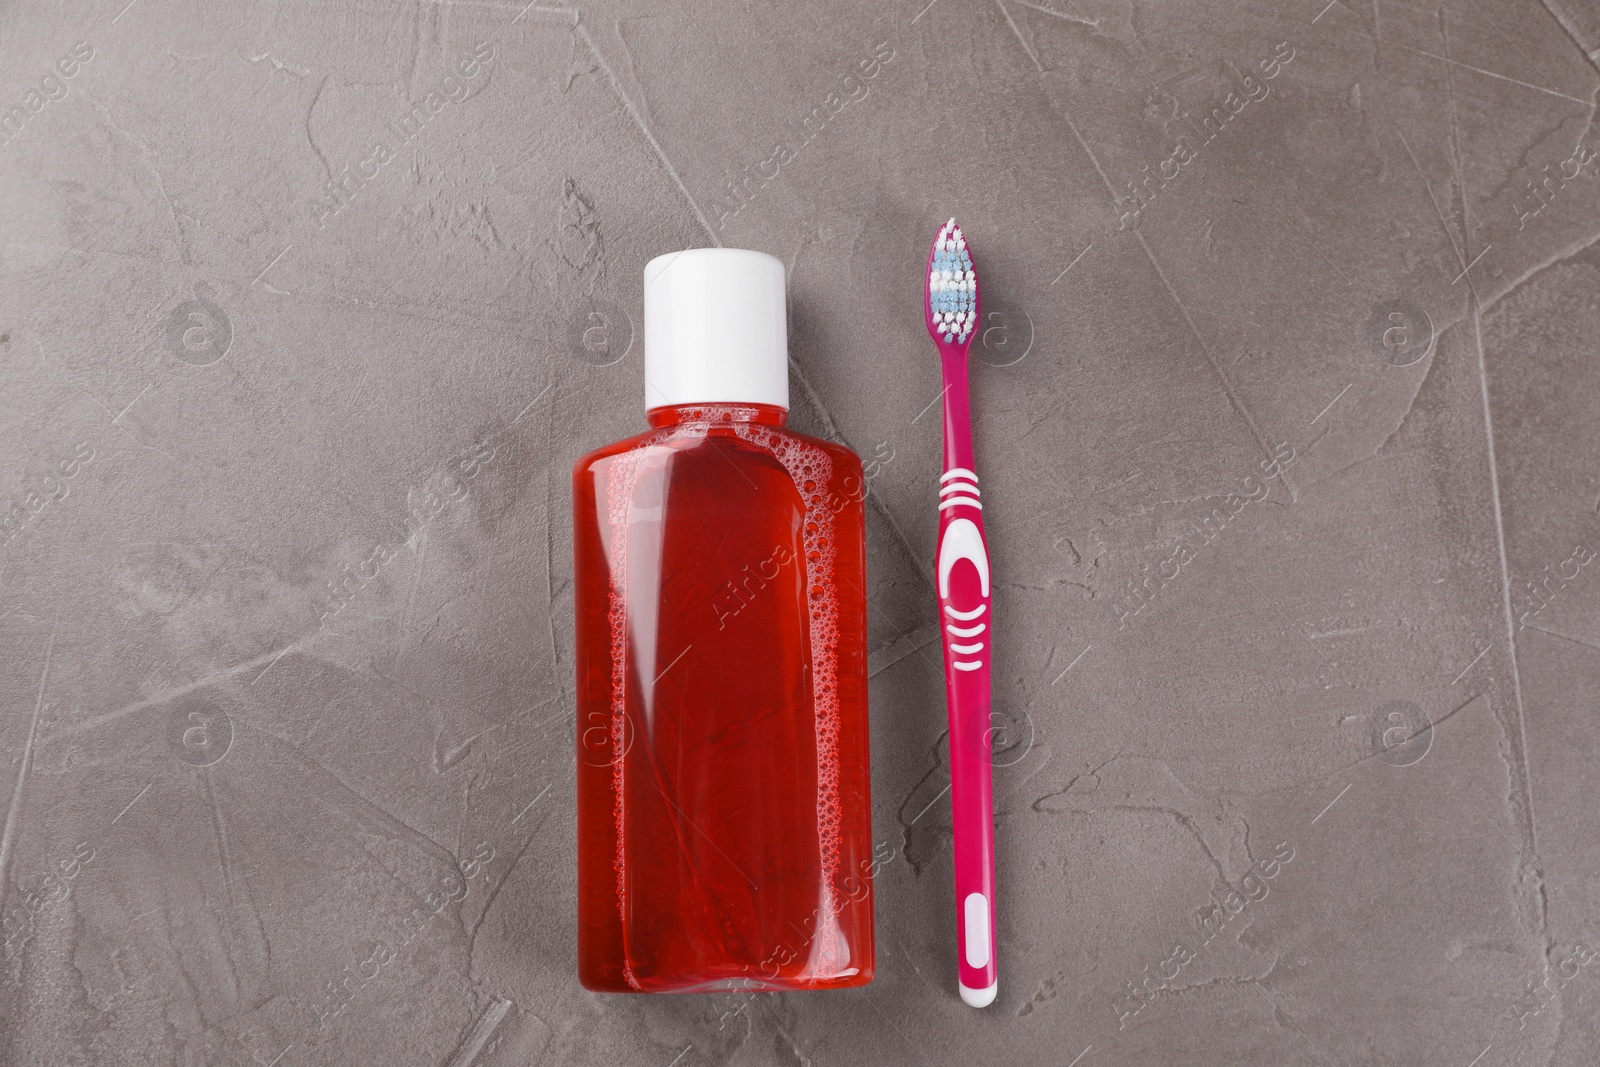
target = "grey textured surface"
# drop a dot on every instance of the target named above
(290, 387)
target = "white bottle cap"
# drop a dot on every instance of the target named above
(715, 329)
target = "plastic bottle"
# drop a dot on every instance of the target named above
(724, 816)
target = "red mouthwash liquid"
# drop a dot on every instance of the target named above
(724, 819)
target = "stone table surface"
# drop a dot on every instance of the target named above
(1286, 402)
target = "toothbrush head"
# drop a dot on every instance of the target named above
(951, 299)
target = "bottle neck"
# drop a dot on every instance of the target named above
(714, 414)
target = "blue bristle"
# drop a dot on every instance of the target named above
(951, 298)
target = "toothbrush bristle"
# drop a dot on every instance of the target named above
(952, 287)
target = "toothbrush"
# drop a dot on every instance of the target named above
(951, 310)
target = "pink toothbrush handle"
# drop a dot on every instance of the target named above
(967, 628)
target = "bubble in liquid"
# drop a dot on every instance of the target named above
(809, 467)
(620, 481)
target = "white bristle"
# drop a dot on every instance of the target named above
(952, 287)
